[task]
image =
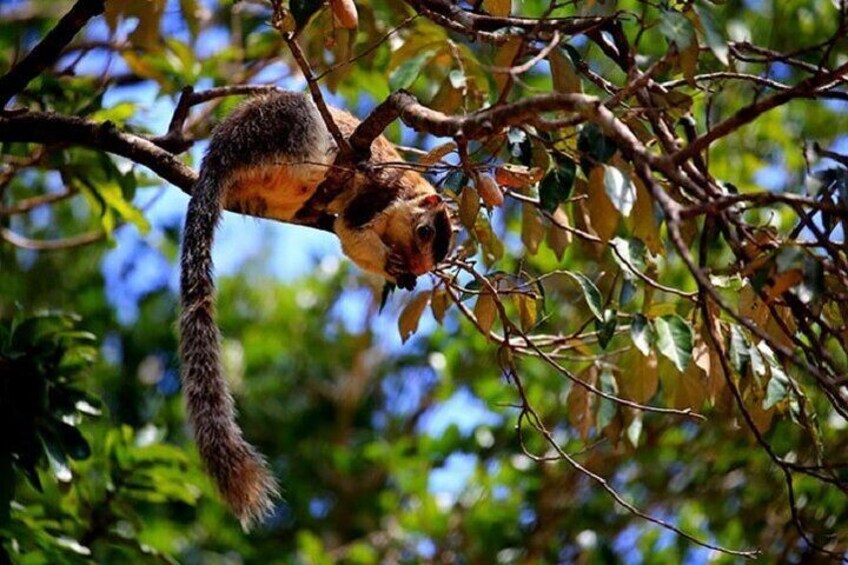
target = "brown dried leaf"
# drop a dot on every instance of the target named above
(437, 153)
(602, 214)
(688, 59)
(645, 225)
(448, 98)
(783, 282)
(344, 13)
(558, 238)
(498, 8)
(469, 206)
(439, 304)
(489, 191)
(526, 306)
(564, 74)
(518, 176)
(532, 229)
(486, 311)
(411, 315)
(504, 59)
(752, 307)
(579, 403)
(638, 379)
(690, 387)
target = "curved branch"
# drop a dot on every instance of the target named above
(46, 52)
(464, 21)
(50, 128)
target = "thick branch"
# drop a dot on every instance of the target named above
(462, 20)
(46, 52)
(49, 128)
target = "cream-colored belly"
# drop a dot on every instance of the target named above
(273, 191)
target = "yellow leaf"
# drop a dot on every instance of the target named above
(469, 206)
(485, 310)
(563, 73)
(448, 98)
(688, 60)
(498, 8)
(752, 307)
(645, 225)
(761, 418)
(505, 58)
(437, 153)
(149, 14)
(661, 309)
(411, 314)
(532, 230)
(775, 328)
(526, 306)
(690, 388)
(493, 248)
(701, 356)
(638, 379)
(783, 282)
(579, 403)
(602, 214)
(439, 304)
(559, 238)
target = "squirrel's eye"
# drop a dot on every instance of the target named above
(425, 232)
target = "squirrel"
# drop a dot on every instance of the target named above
(266, 159)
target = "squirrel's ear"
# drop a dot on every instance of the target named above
(431, 201)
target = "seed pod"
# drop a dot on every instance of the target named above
(489, 191)
(345, 13)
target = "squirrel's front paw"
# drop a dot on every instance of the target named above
(396, 268)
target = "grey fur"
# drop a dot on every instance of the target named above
(278, 128)
(257, 131)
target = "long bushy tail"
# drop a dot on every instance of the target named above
(238, 469)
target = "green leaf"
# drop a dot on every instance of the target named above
(677, 29)
(634, 430)
(813, 284)
(406, 73)
(73, 442)
(627, 292)
(595, 147)
(640, 333)
(631, 256)
(302, 10)
(591, 293)
(778, 388)
(715, 40)
(555, 188)
(606, 327)
(740, 356)
(675, 339)
(606, 408)
(620, 189)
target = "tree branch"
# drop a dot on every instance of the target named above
(50, 128)
(46, 52)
